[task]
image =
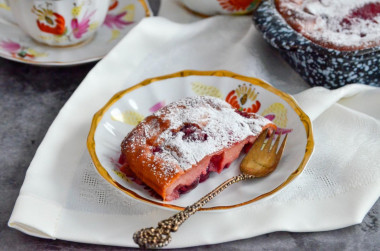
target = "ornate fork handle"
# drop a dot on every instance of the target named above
(160, 236)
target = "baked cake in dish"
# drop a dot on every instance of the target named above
(330, 43)
(175, 148)
(338, 24)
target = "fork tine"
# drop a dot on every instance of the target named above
(260, 163)
(268, 145)
(282, 147)
(260, 140)
(275, 146)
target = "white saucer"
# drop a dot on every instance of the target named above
(16, 45)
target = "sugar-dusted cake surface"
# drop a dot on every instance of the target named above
(344, 25)
(177, 147)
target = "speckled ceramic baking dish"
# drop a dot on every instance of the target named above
(319, 66)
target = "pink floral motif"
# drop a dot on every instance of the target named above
(116, 21)
(80, 28)
(157, 106)
(16, 50)
(279, 130)
(10, 46)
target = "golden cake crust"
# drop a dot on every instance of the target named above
(174, 146)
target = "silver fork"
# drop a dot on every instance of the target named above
(261, 160)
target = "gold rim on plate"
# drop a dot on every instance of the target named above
(220, 73)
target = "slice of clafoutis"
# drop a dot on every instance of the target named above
(177, 147)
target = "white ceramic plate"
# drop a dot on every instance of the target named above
(17, 46)
(122, 113)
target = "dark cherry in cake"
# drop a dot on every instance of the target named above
(175, 148)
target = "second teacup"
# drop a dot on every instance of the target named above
(59, 22)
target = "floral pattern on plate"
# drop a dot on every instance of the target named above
(19, 51)
(120, 115)
(276, 112)
(122, 16)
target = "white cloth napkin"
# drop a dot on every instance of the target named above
(63, 197)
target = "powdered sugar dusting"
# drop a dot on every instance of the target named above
(335, 23)
(214, 117)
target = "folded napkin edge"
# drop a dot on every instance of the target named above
(320, 95)
(30, 230)
(40, 219)
(51, 228)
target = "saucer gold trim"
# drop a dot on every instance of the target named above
(220, 73)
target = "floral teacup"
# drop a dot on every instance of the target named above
(213, 7)
(59, 22)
